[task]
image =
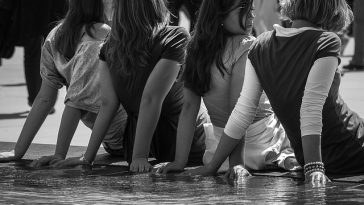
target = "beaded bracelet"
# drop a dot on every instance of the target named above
(313, 163)
(314, 167)
(314, 170)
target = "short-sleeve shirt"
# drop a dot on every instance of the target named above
(169, 43)
(282, 64)
(79, 74)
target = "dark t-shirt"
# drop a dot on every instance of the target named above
(170, 44)
(282, 65)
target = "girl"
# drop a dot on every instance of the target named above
(139, 65)
(69, 58)
(224, 26)
(298, 69)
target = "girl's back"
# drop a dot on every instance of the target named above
(168, 44)
(225, 90)
(78, 74)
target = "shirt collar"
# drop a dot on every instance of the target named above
(288, 32)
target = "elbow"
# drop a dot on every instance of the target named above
(107, 103)
(189, 106)
(150, 100)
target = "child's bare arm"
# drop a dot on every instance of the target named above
(236, 156)
(69, 122)
(70, 119)
(110, 104)
(185, 132)
(156, 89)
(43, 103)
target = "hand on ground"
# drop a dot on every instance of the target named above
(203, 171)
(317, 178)
(164, 168)
(70, 162)
(237, 172)
(140, 165)
(45, 160)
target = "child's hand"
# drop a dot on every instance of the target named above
(7, 156)
(317, 178)
(140, 165)
(46, 160)
(164, 168)
(70, 162)
(203, 171)
(237, 172)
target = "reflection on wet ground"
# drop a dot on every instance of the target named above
(114, 185)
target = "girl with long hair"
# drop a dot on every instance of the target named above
(224, 27)
(140, 62)
(298, 70)
(70, 58)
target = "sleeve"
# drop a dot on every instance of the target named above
(317, 87)
(48, 70)
(245, 109)
(175, 45)
(329, 44)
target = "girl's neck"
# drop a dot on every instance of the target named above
(299, 23)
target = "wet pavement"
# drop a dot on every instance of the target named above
(110, 182)
(20, 184)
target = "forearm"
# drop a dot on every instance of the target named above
(237, 156)
(185, 132)
(148, 117)
(103, 120)
(35, 119)
(69, 123)
(224, 149)
(316, 90)
(311, 145)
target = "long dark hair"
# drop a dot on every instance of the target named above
(135, 24)
(208, 42)
(80, 13)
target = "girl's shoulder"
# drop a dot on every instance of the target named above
(327, 36)
(241, 45)
(174, 32)
(265, 36)
(52, 33)
(100, 30)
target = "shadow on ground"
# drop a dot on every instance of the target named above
(13, 85)
(17, 115)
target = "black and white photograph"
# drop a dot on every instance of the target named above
(181, 102)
